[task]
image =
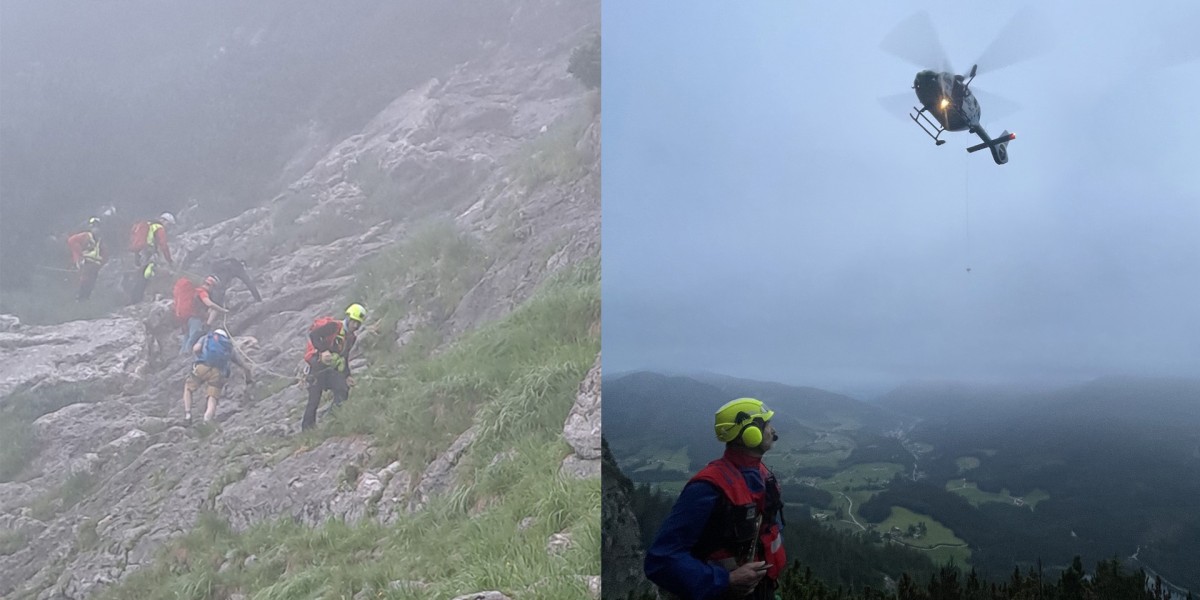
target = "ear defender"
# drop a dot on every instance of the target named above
(751, 435)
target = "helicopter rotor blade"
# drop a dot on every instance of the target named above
(899, 105)
(994, 107)
(1026, 35)
(915, 40)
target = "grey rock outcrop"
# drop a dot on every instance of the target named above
(310, 487)
(582, 428)
(9, 323)
(102, 353)
(483, 596)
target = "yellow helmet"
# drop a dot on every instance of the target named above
(736, 420)
(356, 312)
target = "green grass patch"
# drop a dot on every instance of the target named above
(432, 269)
(440, 552)
(516, 379)
(966, 463)
(932, 537)
(975, 496)
(519, 375)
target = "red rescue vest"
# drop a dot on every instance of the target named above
(336, 341)
(749, 507)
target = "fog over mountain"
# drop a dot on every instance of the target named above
(148, 105)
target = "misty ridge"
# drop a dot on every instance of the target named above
(148, 105)
(1002, 476)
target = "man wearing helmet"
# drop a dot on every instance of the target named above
(328, 359)
(204, 313)
(147, 241)
(149, 238)
(88, 256)
(723, 538)
(215, 354)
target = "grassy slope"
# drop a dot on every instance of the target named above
(517, 379)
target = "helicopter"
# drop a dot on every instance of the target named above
(947, 102)
(949, 99)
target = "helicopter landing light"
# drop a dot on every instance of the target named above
(945, 103)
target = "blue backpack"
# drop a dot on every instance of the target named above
(217, 352)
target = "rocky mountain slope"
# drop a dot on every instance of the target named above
(623, 554)
(467, 204)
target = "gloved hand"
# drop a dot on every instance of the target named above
(350, 380)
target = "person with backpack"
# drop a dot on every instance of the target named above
(148, 239)
(148, 242)
(194, 308)
(88, 256)
(328, 360)
(215, 355)
(227, 270)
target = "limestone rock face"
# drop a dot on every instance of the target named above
(582, 428)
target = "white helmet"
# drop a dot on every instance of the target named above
(167, 218)
(222, 333)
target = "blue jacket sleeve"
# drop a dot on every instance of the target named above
(669, 563)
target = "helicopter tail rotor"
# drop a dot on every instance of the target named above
(998, 145)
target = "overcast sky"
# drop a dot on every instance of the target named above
(766, 217)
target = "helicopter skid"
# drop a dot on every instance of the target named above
(921, 116)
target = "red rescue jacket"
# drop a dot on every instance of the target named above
(330, 335)
(752, 516)
(85, 245)
(146, 232)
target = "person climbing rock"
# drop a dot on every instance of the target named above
(87, 254)
(227, 270)
(148, 239)
(327, 359)
(148, 242)
(215, 355)
(195, 309)
(724, 536)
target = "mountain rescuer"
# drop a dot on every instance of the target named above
(148, 242)
(328, 360)
(214, 356)
(723, 538)
(87, 255)
(195, 309)
(149, 238)
(227, 270)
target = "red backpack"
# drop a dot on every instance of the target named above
(137, 236)
(185, 299)
(309, 350)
